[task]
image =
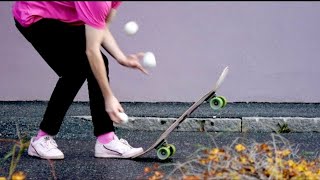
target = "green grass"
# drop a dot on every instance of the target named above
(15, 153)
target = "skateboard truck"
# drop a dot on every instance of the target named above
(210, 97)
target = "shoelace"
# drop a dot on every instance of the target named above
(51, 143)
(125, 142)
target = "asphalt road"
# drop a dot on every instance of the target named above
(76, 138)
(80, 163)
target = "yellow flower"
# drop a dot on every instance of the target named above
(158, 174)
(283, 153)
(203, 161)
(301, 167)
(308, 173)
(303, 162)
(242, 171)
(286, 152)
(279, 162)
(243, 160)
(291, 163)
(147, 170)
(214, 151)
(240, 147)
(19, 176)
(234, 176)
(270, 160)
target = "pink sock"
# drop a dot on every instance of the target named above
(40, 134)
(106, 138)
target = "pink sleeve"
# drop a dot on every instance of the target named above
(93, 13)
(115, 4)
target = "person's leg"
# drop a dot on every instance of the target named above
(63, 48)
(108, 145)
(62, 97)
(100, 118)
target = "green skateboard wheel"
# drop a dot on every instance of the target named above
(216, 103)
(172, 149)
(163, 153)
(224, 101)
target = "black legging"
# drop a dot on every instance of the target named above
(63, 46)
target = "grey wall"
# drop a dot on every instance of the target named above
(272, 49)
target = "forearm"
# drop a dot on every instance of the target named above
(99, 71)
(111, 46)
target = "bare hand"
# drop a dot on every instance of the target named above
(113, 107)
(133, 61)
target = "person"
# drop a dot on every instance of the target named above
(68, 36)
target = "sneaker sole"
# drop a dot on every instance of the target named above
(109, 156)
(52, 158)
(35, 154)
(116, 156)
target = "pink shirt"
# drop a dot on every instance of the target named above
(93, 13)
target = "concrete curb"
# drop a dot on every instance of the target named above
(245, 124)
(269, 124)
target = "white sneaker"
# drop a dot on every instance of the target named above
(45, 148)
(116, 149)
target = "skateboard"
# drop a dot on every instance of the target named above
(166, 150)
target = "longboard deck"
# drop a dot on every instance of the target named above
(187, 113)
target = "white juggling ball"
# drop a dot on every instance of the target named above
(149, 60)
(124, 118)
(131, 27)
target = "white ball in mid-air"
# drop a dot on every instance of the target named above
(124, 118)
(149, 60)
(131, 27)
